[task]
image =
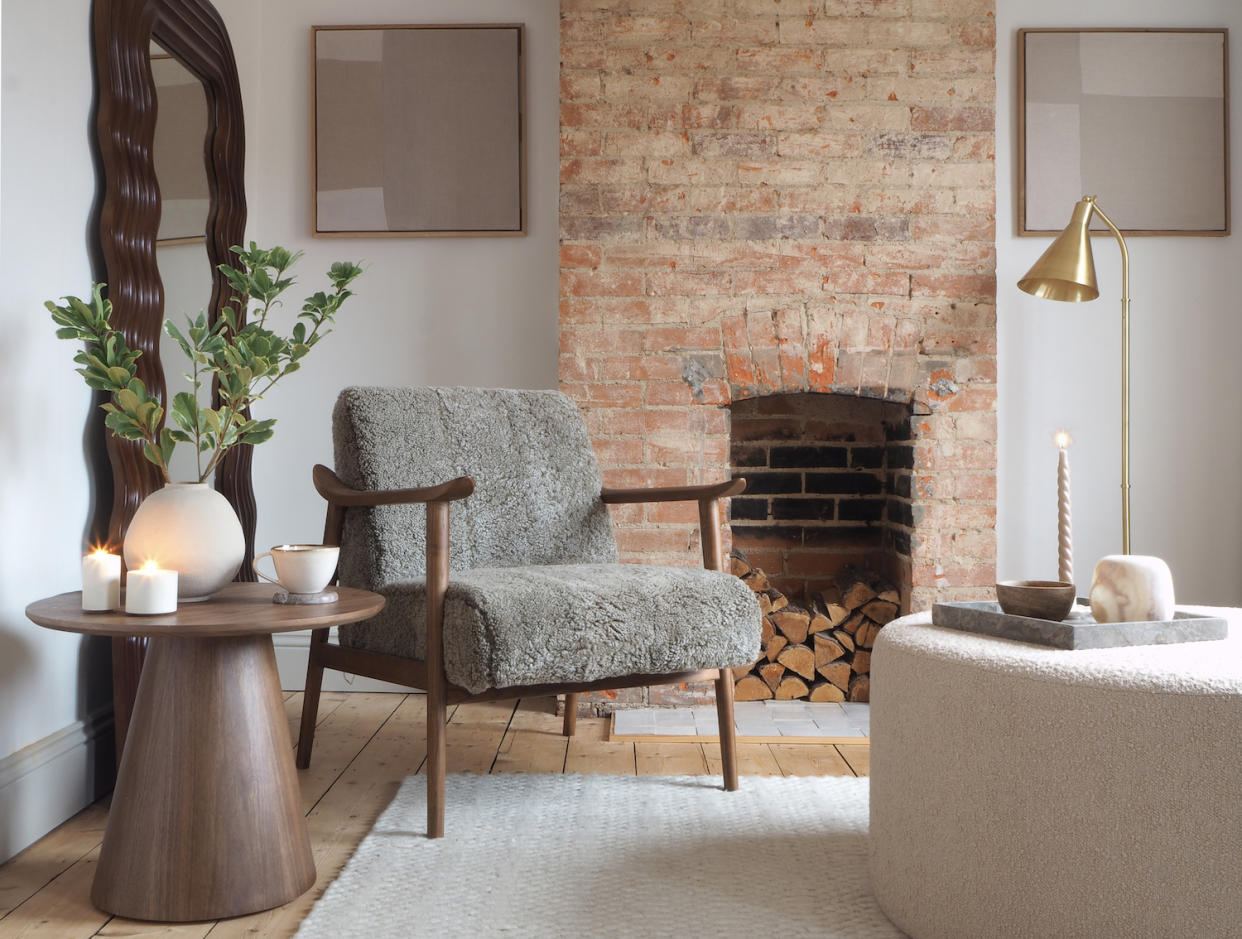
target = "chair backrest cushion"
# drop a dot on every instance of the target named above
(537, 483)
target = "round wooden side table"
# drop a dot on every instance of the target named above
(206, 819)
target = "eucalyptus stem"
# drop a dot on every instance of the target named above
(239, 357)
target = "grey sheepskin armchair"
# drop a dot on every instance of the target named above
(527, 597)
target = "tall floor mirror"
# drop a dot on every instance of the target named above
(167, 97)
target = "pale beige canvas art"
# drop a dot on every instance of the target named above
(1136, 118)
(418, 130)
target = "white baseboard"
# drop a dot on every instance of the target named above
(291, 655)
(53, 779)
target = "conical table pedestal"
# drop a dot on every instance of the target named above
(206, 820)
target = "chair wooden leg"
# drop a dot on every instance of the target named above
(437, 681)
(310, 698)
(437, 714)
(571, 713)
(728, 734)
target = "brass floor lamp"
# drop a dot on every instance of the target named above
(1066, 271)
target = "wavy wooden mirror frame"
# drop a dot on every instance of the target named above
(128, 212)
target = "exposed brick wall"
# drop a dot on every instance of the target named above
(761, 196)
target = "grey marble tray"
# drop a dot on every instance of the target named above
(1079, 630)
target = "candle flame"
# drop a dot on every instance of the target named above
(1063, 439)
(100, 550)
(150, 565)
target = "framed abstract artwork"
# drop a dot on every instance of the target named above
(1138, 118)
(418, 130)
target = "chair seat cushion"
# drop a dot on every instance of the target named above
(564, 623)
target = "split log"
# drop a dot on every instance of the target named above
(838, 673)
(860, 688)
(791, 688)
(826, 691)
(880, 611)
(846, 640)
(756, 580)
(765, 603)
(852, 623)
(798, 659)
(892, 596)
(740, 672)
(751, 688)
(766, 631)
(772, 673)
(862, 662)
(836, 613)
(793, 623)
(862, 638)
(779, 600)
(739, 566)
(827, 650)
(858, 594)
(772, 648)
(819, 624)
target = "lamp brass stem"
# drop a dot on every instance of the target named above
(1125, 379)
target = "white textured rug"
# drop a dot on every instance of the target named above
(585, 856)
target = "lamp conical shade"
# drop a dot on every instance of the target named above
(1066, 271)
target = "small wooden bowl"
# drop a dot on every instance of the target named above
(1041, 599)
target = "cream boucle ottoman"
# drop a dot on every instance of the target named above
(1024, 791)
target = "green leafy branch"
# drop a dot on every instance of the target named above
(243, 363)
(108, 364)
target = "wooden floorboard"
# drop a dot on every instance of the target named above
(365, 745)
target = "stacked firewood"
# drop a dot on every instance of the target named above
(822, 653)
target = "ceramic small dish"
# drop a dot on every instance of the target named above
(1040, 599)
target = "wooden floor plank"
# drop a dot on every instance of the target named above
(590, 750)
(365, 744)
(753, 759)
(858, 755)
(798, 760)
(62, 909)
(534, 742)
(474, 735)
(27, 873)
(118, 927)
(670, 759)
(340, 738)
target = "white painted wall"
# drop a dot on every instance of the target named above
(46, 187)
(454, 311)
(1060, 364)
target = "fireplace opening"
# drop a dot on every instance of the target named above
(829, 494)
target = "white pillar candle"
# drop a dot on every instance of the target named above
(1065, 537)
(150, 590)
(101, 581)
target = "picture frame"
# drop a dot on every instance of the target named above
(1138, 118)
(418, 130)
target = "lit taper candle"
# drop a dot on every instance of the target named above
(1065, 537)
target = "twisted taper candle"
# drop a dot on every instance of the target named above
(1065, 538)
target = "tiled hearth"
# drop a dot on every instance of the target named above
(759, 200)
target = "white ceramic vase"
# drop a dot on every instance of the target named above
(191, 529)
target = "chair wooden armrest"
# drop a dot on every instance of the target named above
(730, 487)
(708, 498)
(332, 488)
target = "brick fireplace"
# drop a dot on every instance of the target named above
(764, 198)
(830, 487)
